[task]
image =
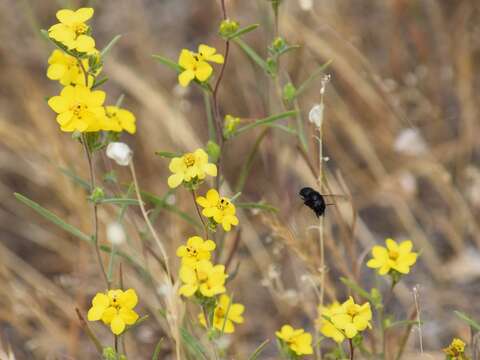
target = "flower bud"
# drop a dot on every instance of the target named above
(289, 92)
(278, 44)
(231, 124)
(120, 152)
(97, 195)
(228, 27)
(115, 233)
(315, 115)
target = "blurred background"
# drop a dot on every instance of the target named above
(400, 132)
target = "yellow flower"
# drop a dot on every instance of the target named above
(190, 167)
(115, 308)
(204, 277)
(220, 209)
(118, 119)
(299, 341)
(325, 326)
(195, 65)
(398, 257)
(225, 315)
(349, 318)
(79, 108)
(72, 30)
(66, 69)
(456, 350)
(196, 249)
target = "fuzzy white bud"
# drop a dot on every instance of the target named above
(115, 233)
(315, 115)
(120, 152)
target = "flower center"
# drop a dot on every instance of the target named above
(191, 251)
(352, 311)
(223, 204)
(393, 254)
(80, 28)
(220, 312)
(111, 114)
(189, 159)
(115, 302)
(78, 109)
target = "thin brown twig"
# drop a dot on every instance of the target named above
(89, 332)
(194, 195)
(234, 249)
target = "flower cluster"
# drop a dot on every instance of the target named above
(195, 65)
(218, 209)
(346, 320)
(114, 308)
(190, 169)
(456, 350)
(295, 340)
(76, 67)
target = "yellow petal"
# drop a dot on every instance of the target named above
(175, 180)
(391, 244)
(185, 77)
(213, 197)
(128, 316)
(56, 71)
(83, 14)
(85, 43)
(205, 50)
(66, 16)
(117, 325)
(128, 299)
(186, 60)
(203, 71)
(108, 315)
(58, 104)
(210, 169)
(405, 247)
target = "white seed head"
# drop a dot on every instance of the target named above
(120, 152)
(410, 142)
(315, 115)
(115, 233)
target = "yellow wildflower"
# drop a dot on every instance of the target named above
(118, 119)
(115, 308)
(196, 249)
(456, 350)
(398, 257)
(349, 318)
(195, 65)
(225, 315)
(79, 108)
(190, 167)
(205, 277)
(297, 340)
(72, 30)
(325, 326)
(66, 69)
(220, 209)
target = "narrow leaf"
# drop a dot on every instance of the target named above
(47, 214)
(468, 320)
(258, 350)
(355, 287)
(109, 46)
(75, 178)
(193, 345)
(99, 82)
(166, 154)
(158, 348)
(312, 77)
(267, 121)
(167, 62)
(243, 31)
(252, 54)
(119, 201)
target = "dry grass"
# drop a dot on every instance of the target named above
(396, 64)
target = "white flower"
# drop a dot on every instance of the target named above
(120, 152)
(115, 233)
(315, 115)
(306, 5)
(410, 142)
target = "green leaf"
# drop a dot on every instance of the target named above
(243, 31)
(468, 320)
(355, 287)
(53, 218)
(258, 350)
(119, 201)
(260, 206)
(76, 179)
(267, 121)
(109, 46)
(167, 62)
(310, 79)
(137, 323)
(252, 54)
(193, 345)
(99, 82)
(166, 154)
(158, 348)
